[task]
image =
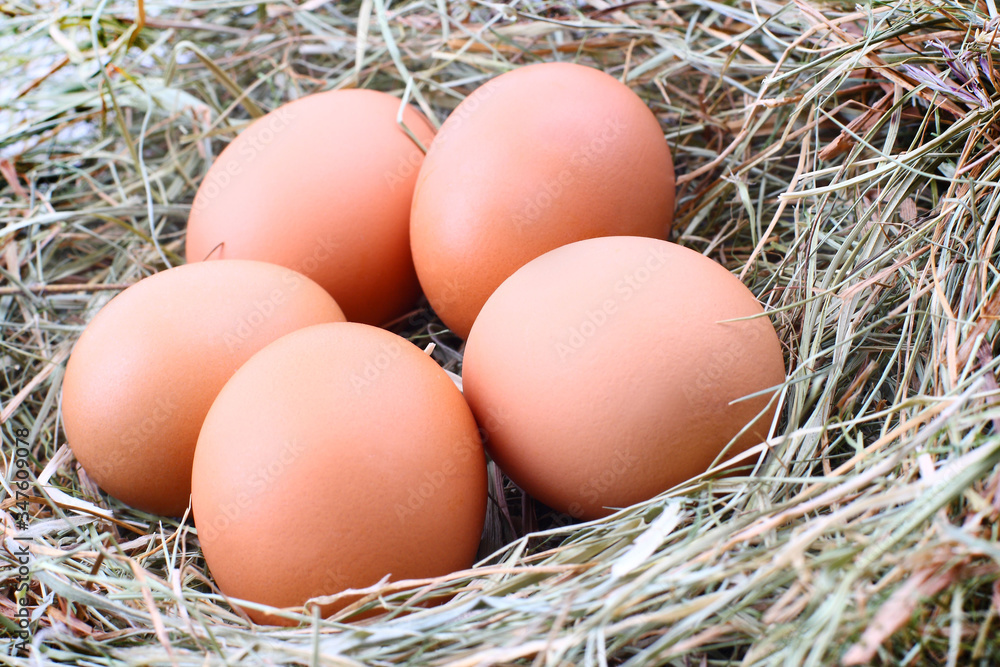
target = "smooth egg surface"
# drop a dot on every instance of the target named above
(322, 185)
(145, 371)
(338, 455)
(536, 158)
(609, 370)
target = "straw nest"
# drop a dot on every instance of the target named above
(842, 160)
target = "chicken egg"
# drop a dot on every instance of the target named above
(322, 185)
(612, 369)
(336, 456)
(145, 371)
(536, 158)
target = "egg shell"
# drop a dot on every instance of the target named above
(337, 455)
(146, 369)
(322, 185)
(605, 372)
(536, 158)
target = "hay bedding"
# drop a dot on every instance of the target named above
(843, 160)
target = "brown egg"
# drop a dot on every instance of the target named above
(537, 158)
(605, 372)
(148, 366)
(322, 185)
(338, 455)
